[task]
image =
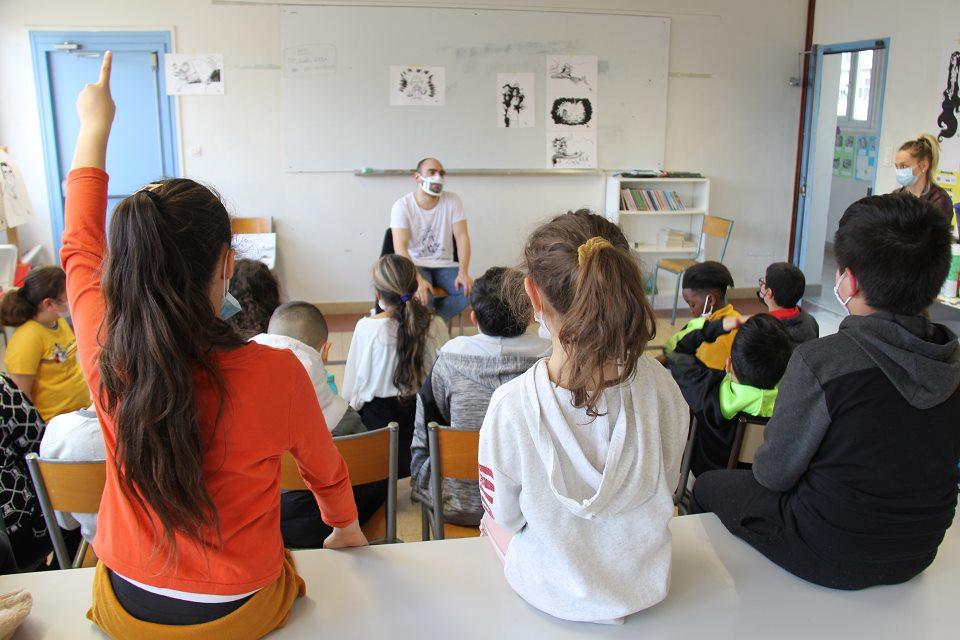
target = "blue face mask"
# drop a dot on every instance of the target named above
(905, 177)
(229, 307)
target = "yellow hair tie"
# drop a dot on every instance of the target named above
(590, 246)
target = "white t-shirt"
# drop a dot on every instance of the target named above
(372, 359)
(332, 406)
(431, 231)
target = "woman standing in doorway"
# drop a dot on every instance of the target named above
(916, 165)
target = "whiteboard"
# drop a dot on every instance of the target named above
(336, 85)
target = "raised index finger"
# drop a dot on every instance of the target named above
(105, 69)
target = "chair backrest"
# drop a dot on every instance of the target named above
(251, 225)
(74, 487)
(370, 457)
(715, 227)
(453, 455)
(746, 440)
(9, 255)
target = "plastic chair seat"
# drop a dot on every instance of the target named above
(675, 265)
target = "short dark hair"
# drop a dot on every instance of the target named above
(301, 321)
(787, 283)
(420, 164)
(707, 276)
(898, 248)
(495, 315)
(760, 351)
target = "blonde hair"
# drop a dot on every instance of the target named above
(924, 147)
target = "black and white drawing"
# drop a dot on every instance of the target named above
(14, 204)
(194, 74)
(572, 112)
(949, 112)
(515, 100)
(579, 72)
(571, 150)
(417, 86)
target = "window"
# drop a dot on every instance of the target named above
(855, 97)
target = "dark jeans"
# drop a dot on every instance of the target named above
(152, 607)
(763, 519)
(379, 412)
(445, 278)
(300, 521)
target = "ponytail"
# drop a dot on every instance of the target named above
(924, 147)
(166, 246)
(395, 278)
(19, 305)
(582, 265)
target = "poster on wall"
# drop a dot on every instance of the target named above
(14, 204)
(847, 156)
(191, 74)
(837, 152)
(566, 150)
(866, 164)
(571, 111)
(948, 110)
(416, 86)
(515, 100)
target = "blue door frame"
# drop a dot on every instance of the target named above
(810, 115)
(44, 42)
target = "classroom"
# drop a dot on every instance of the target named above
(418, 318)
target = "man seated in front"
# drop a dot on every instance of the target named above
(856, 481)
(467, 372)
(425, 223)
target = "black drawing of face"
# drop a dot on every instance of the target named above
(512, 100)
(571, 111)
(417, 83)
(947, 120)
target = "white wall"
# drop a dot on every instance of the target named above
(737, 126)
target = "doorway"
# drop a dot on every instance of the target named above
(143, 141)
(843, 115)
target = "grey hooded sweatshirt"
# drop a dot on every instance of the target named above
(588, 501)
(864, 443)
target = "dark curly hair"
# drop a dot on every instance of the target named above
(258, 292)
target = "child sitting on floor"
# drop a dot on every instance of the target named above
(780, 290)
(757, 361)
(257, 293)
(579, 456)
(705, 292)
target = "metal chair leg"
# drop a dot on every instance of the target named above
(424, 523)
(653, 289)
(676, 298)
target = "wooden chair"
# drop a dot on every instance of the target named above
(251, 225)
(680, 494)
(453, 455)
(370, 457)
(713, 226)
(73, 487)
(746, 440)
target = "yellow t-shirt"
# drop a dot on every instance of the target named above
(714, 354)
(51, 356)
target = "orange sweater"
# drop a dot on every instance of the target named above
(270, 408)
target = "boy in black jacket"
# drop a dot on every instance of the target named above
(757, 361)
(856, 481)
(780, 290)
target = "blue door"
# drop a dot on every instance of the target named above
(142, 144)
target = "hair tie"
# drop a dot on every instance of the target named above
(588, 248)
(405, 298)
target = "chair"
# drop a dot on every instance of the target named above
(370, 457)
(453, 455)
(681, 493)
(713, 226)
(74, 487)
(251, 225)
(746, 440)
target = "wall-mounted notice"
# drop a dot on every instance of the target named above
(568, 150)
(571, 111)
(194, 73)
(949, 111)
(14, 204)
(866, 165)
(515, 100)
(309, 60)
(415, 86)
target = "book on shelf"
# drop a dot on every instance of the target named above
(650, 200)
(673, 239)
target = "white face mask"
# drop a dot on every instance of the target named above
(542, 330)
(836, 293)
(432, 185)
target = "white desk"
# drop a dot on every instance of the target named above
(721, 589)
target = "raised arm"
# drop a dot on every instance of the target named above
(96, 110)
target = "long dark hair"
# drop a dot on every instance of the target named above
(395, 278)
(19, 305)
(160, 333)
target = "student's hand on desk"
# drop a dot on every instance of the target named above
(348, 536)
(464, 282)
(423, 290)
(734, 322)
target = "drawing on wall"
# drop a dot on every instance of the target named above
(573, 71)
(866, 162)
(257, 246)
(515, 100)
(194, 73)
(310, 60)
(417, 86)
(14, 204)
(949, 110)
(571, 150)
(572, 112)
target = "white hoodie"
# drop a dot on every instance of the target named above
(588, 502)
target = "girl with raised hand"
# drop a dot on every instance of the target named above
(580, 455)
(195, 420)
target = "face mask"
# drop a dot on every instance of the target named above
(760, 297)
(229, 306)
(836, 293)
(542, 330)
(431, 185)
(707, 307)
(905, 177)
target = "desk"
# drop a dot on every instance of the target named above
(455, 588)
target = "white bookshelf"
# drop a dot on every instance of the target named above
(642, 227)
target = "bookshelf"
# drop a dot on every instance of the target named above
(645, 230)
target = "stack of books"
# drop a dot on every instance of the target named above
(673, 239)
(650, 200)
